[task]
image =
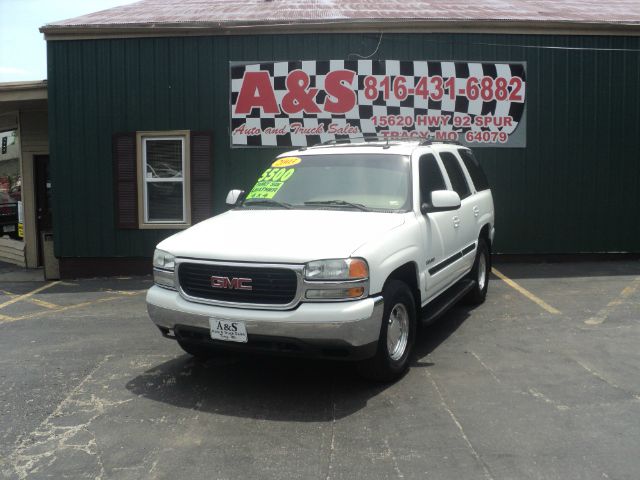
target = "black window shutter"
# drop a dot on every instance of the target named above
(201, 178)
(125, 180)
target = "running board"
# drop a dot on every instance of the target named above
(434, 310)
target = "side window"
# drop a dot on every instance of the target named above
(475, 170)
(431, 178)
(456, 175)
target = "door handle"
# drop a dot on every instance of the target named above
(456, 221)
(476, 210)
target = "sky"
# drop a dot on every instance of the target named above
(23, 51)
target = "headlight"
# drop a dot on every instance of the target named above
(337, 269)
(336, 280)
(163, 260)
(164, 265)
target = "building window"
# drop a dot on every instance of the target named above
(163, 179)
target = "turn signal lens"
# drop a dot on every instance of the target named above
(358, 268)
(335, 293)
(355, 292)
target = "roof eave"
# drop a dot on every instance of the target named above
(77, 32)
(23, 91)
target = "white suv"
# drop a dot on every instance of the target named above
(337, 252)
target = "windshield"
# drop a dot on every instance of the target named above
(379, 182)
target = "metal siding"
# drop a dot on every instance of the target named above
(573, 189)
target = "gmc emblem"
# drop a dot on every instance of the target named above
(231, 283)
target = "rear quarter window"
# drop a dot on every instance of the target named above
(475, 170)
(456, 175)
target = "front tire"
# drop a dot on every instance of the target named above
(397, 335)
(480, 274)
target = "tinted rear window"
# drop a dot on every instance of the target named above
(456, 175)
(475, 170)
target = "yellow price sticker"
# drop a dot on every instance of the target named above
(264, 190)
(270, 182)
(277, 174)
(286, 162)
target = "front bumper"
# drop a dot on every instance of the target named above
(348, 330)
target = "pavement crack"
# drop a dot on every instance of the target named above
(41, 448)
(391, 455)
(445, 405)
(602, 378)
(537, 394)
(333, 433)
(486, 367)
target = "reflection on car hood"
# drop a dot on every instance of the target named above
(287, 236)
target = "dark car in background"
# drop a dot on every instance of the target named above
(8, 215)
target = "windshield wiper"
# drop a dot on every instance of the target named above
(339, 203)
(266, 201)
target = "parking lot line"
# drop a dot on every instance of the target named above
(603, 314)
(43, 303)
(35, 301)
(5, 319)
(537, 300)
(28, 294)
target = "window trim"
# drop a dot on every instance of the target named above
(141, 137)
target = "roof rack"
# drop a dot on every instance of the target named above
(364, 139)
(358, 141)
(384, 139)
(430, 141)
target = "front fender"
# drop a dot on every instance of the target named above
(390, 251)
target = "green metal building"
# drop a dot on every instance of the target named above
(158, 70)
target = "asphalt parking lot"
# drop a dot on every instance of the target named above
(540, 382)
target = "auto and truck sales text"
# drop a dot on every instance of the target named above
(340, 98)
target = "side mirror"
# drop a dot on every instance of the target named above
(234, 197)
(442, 201)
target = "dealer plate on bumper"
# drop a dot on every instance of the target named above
(228, 330)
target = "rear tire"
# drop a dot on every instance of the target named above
(397, 335)
(480, 274)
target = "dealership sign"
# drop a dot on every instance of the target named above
(307, 102)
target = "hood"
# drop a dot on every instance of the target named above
(280, 236)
